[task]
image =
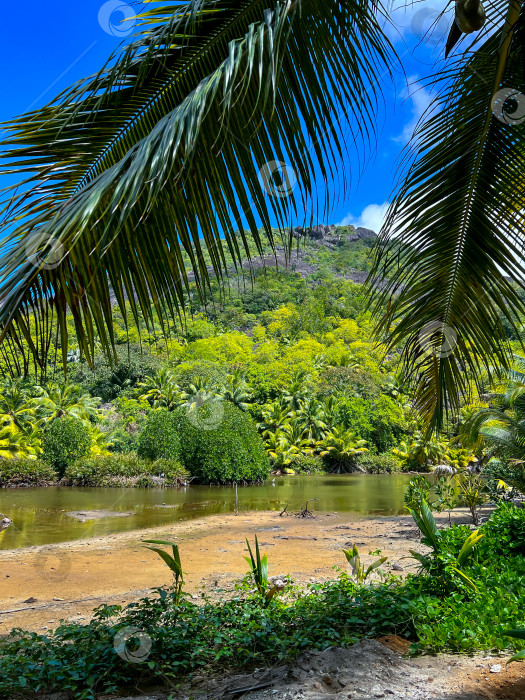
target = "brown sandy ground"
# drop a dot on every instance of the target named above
(117, 568)
(68, 580)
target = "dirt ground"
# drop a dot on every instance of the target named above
(39, 586)
(66, 581)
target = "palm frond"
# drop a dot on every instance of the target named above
(159, 155)
(459, 213)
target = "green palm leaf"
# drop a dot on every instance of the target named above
(132, 172)
(452, 238)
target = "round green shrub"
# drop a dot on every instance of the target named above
(159, 437)
(24, 471)
(64, 441)
(307, 464)
(504, 532)
(220, 445)
(379, 464)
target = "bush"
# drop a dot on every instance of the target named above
(380, 420)
(125, 470)
(505, 531)
(25, 472)
(379, 464)
(511, 474)
(64, 441)
(159, 438)
(219, 444)
(307, 464)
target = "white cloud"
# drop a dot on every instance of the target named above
(371, 217)
(420, 100)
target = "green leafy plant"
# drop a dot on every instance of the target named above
(446, 497)
(359, 571)
(259, 572)
(418, 490)
(472, 493)
(505, 532)
(441, 564)
(174, 564)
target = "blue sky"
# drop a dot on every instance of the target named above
(47, 46)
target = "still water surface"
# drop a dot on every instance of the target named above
(39, 515)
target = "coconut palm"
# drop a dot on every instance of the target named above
(274, 417)
(161, 390)
(312, 414)
(296, 391)
(59, 400)
(295, 432)
(341, 449)
(15, 443)
(236, 391)
(16, 408)
(279, 450)
(128, 176)
(170, 146)
(453, 236)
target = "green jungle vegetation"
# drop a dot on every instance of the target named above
(279, 371)
(131, 188)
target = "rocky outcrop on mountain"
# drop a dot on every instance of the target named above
(301, 258)
(361, 233)
(317, 233)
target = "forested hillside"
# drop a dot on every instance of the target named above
(281, 359)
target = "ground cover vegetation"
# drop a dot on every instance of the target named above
(467, 596)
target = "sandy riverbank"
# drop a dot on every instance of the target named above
(66, 581)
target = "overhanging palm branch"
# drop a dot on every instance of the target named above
(459, 209)
(158, 156)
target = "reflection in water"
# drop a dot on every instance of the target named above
(39, 514)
